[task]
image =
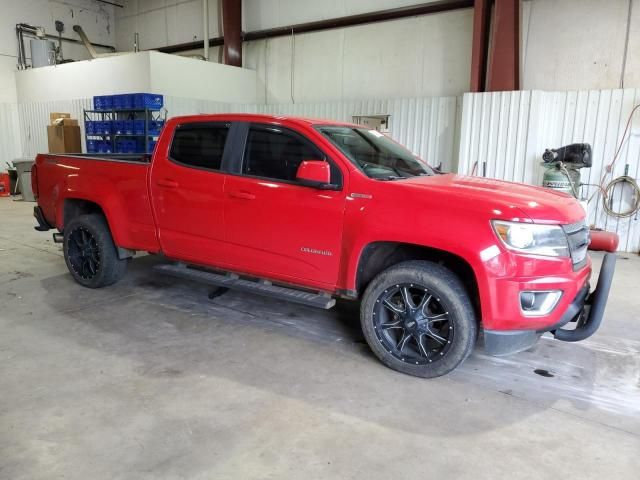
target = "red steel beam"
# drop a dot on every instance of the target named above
(480, 45)
(504, 56)
(232, 32)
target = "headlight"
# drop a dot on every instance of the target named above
(549, 240)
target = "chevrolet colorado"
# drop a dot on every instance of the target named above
(309, 210)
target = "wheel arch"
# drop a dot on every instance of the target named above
(380, 255)
(74, 207)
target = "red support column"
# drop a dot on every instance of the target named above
(504, 56)
(232, 31)
(481, 23)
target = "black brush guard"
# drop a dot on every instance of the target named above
(589, 307)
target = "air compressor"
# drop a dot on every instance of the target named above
(562, 172)
(562, 167)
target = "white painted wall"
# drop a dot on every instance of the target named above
(164, 22)
(579, 44)
(137, 72)
(420, 56)
(566, 44)
(185, 77)
(101, 76)
(96, 19)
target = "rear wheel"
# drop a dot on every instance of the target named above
(418, 319)
(90, 254)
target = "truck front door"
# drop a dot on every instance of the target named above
(275, 226)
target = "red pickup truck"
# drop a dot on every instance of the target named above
(309, 210)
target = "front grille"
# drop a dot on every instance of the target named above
(578, 237)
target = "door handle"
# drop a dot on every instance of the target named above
(242, 194)
(167, 183)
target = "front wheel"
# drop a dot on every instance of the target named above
(90, 254)
(418, 319)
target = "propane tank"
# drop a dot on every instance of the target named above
(562, 167)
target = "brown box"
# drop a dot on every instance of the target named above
(53, 116)
(66, 121)
(64, 139)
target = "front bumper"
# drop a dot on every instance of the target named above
(586, 311)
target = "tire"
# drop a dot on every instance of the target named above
(90, 254)
(440, 317)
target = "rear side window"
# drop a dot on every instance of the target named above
(274, 152)
(199, 145)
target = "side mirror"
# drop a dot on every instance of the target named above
(315, 173)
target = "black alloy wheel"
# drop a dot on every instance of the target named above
(413, 324)
(84, 253)
(90, 253)
(418, 318)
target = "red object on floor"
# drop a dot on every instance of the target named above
(603, 240)
(5, 189)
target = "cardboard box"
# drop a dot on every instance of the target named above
(53, 116)
(64, 139)
(65, 121)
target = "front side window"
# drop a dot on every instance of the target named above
(375, 154)
(199, 145)
(275, 152)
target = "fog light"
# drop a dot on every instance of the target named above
(535, 303)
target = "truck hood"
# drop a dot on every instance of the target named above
(541, 205)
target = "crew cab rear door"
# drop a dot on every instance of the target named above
(187, 190)
(276, 227)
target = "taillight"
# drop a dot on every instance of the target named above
(34, 180)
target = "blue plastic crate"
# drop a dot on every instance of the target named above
(152, 101)
(128, 127)
(103, 127)
(104, 146)
(152, 146)
(92, 146)
(118, 127)
(138, 127)
(155, 126)
(90, 127)
(123, 101)
(103, 102)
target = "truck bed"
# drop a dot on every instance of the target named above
(116, 184)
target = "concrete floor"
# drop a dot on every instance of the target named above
(150, 379)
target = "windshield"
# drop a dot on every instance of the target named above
(375, 154)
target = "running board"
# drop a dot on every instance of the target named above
(260, 287)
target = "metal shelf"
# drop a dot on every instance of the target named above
(146, 114)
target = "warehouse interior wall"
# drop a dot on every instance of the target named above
(96, 19)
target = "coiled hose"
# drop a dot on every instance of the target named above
(608, 192)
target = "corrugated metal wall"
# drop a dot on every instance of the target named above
(426, 125)
(9, 134)
(507, 132)
(34, 118)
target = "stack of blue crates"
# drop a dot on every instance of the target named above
(128, 102)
